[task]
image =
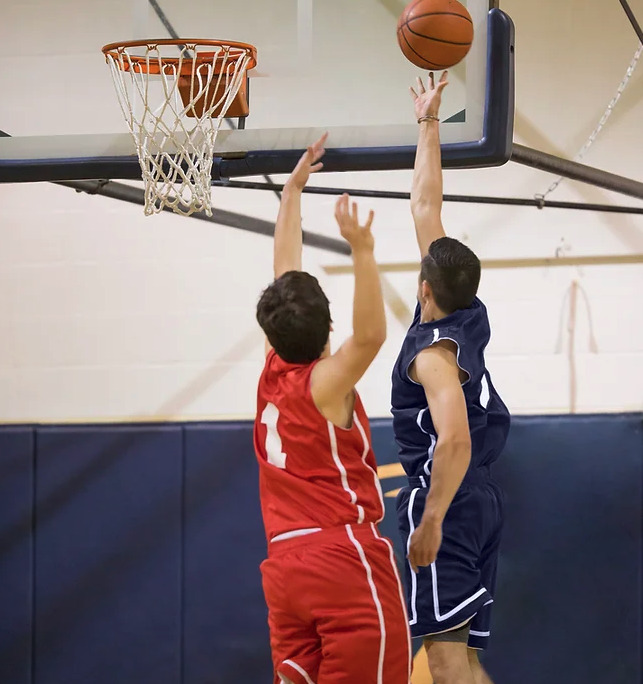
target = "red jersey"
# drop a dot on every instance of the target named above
(312, 474)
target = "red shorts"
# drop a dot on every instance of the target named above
(336, 609)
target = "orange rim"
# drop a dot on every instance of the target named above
(237, 51)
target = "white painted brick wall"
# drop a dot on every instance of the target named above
(108, 315)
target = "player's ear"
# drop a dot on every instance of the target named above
(425, 290)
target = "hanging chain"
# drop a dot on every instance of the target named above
(601, 124)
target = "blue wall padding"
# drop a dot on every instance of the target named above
(108, 555)
(225, 614)
(569, 594)
(385, 449)
(148, 539)
(16, 554)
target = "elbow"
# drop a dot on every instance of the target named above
(372, 340)
(425, 211)
(419, 205)
(423, 206)
(377, 339)
(458, 444)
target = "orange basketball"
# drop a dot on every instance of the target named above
(435, 34)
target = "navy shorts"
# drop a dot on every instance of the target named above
(460, 584)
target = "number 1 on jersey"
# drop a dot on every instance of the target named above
(269, 418)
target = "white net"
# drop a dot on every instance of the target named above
(173, 107)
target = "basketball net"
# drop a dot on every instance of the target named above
(173, 107)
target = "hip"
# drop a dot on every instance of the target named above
(341, 535)
(479, 500)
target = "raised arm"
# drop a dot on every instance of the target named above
(288, 238)
(426, 191)
(334, 377)
(437, 370)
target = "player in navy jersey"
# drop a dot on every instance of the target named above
(450, 426)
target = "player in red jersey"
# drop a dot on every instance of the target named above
(336, 609)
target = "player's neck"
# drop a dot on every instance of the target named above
(431, 313)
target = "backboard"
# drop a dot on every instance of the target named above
(322, 65)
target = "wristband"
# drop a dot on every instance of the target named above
(430, 117)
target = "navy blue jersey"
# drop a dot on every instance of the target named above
(488, 416)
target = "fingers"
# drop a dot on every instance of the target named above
(316, 151)
(369, 221)
(322, 141)
(421, 88)
(341, 207)
(306, 158)
(316, 167)
(419, 555)
(319, 144)
(444, 81)
(417, 561)
(414, 95)
(431, 81)
(348, 218)
(338, 205)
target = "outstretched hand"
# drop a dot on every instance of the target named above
(309, 163)
(358, 237)
(428, 100)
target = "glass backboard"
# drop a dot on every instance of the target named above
(322, 65)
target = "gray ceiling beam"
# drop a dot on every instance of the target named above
(575, 171)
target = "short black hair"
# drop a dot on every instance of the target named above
(453, 272)
(295, 315)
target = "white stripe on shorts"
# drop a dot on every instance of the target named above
(414, 579)
(299, 669)
(400, 590)
(376, 601)
(295, 533)
(458, 608)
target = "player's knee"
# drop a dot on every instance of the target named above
(480, 675)
(450, 675)
(448, 664)
(474, 661)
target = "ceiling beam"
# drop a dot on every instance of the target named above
(250, 224)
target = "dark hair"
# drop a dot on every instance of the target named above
(294, 314)
(453, 272)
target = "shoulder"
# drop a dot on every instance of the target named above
(278, 370)
(270, 366)
(464, 328)
(438, 365)
(441, 354)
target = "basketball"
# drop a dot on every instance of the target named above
(435, 34)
